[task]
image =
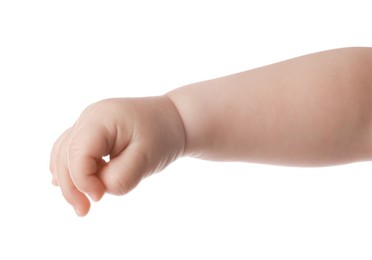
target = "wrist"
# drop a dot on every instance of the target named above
(178, 127)
(192, 115)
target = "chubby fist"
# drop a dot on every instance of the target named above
(140, 136)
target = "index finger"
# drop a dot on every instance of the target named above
(87, 146)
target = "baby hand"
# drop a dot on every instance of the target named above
(140, 135)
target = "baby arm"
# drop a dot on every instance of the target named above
(311, 111)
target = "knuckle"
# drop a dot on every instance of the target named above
(74, 148)
(102, 107)
(123, 186)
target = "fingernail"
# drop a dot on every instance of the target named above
(78, 211)
(93, 196)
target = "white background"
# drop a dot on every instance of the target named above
(57, 57)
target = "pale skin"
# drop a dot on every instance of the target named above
(314, 110)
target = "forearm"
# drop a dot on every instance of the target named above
(312, 110)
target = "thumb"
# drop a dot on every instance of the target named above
(86, 148)
(125, 171)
